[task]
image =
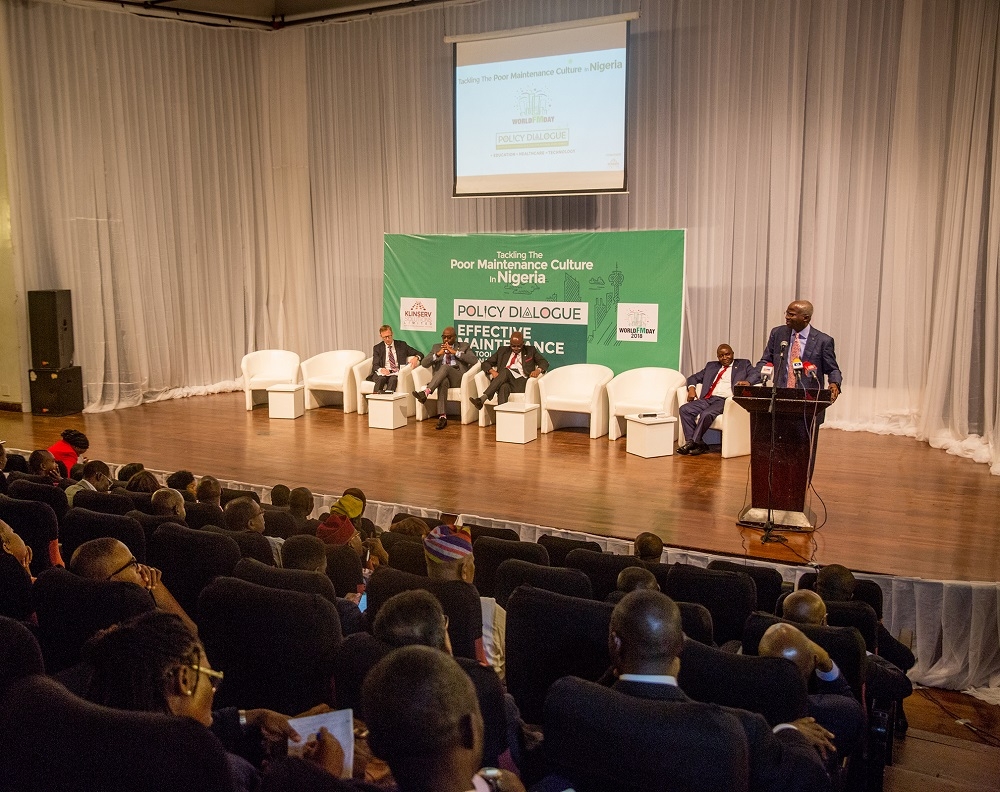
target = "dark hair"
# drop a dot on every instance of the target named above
(303, 552)
(648, 546)
(143, 481)
(412, 617)
(180, 480)
(280, 495)
(35, 460)
(96, 467)
(125, 472)
(239, 512)
(78, 440)
(209, 488)
(300, 501)
(636, 578)
(132, 661)
(87, 560)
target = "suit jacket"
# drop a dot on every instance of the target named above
(463, 352)
(531, 359)
(403, 351)
(819, 351)
(782, 760)
(743, 369)
(834, 707)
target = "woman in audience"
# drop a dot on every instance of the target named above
(70, 448)
(143, 481)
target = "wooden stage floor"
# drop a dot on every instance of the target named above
(894, 505)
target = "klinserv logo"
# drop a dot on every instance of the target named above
(418, 313)
(638, 321)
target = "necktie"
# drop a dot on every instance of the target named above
(513, 359)
(716, 382)
(393, 365)
(796, 352)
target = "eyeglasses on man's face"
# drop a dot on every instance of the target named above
(131, 563)
(214, 677)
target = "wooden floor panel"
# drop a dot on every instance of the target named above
(894, 505)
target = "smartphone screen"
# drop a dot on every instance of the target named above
(363, 605)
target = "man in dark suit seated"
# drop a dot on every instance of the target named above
(717, 380)
(388, 357)
(509, 369)
(449, 360)
(645, 641)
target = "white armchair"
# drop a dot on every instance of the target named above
(422, 375)
(734, 423)
(404, 384)
(487, 415)
(575, 395)
(265, 368)
(641, 390)
(331, 372)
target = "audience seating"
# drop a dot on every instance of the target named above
(390, 539)
(559, 547)
(475, 531)
(487, 415)
(641, 390)
(767, 581)
(70, 609)
(275, 647)
(459, 601)
(285, 579)
(550, 636)
(729, 596)
(279, 523)
(490, 553)
(331, 372)
(601, 740)
(198, 515)
(232, 494)
(343, 567)
(35, 478)
(104, 502)
(265, 368)
(190, 560)
(696, 621)
(15, 589)
(55, 740)
(251, 544)
(462, 394)
(514, 572)
(44, 493)
(864, 590)
(408, 557)
(16, 463)
(81, 525)
(36, 524)
(575, 395)
(404, 384)
(142, 501)
(150, 522)
(660, 571)
(734, 423)
(602, 569)
(20, 654)
(355, 657)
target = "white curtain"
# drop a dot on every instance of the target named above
(206, 192)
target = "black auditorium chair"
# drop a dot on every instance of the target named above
(3, 483)
(355, 657)
(24, 475)
(660, 571)
(190, 560)
(602, 569)
(559, 547)
(82, 525)
(15, 589)
(233, 494)
(696, 621)
(864, 590)
(55, 740)
(509, 534)
(430, 522)
(105, 502)
(279, 523)
(729, 596)
(143, 501)
(150, 522)
(36, 524)
(20, 654)
(275, 647)
(388, 539)
(198, 515)
(16, 463)
(550, 636)
(407, 556)
(856, 614)
(44, 493)
(593, 735)
(766, 579)
(459, 601)
(252, 545)
(514, 572)
(490, 552)
(70, 609)
(301, 580)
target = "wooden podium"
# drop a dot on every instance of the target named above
(781, 469)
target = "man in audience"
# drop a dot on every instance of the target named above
(245, 514)
(167, 502)
(185, 483)
(832, 704)
(509, 369)
(648, 547)
(424, 721)
(42, 463)
(388, 357)
(645, 641)
(279, 496)
(125, 472)
(300, 506)
(109, 559)
(209, 490)
(449, 361)
(716, 380)
(632, 579)
(309, 554)
(448, 551)
(14, 544)
(96, 478)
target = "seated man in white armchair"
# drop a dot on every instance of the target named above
(509, 368)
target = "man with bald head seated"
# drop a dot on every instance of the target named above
(509, 369)
(109, 559)
(645, 641)
(831, 701)
(648, 547)
(167, 502)
(633, 579)
(42, 463)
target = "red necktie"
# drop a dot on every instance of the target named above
(717, 378)
(392, 359)
(513, 359)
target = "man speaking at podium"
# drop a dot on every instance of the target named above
(806, 354)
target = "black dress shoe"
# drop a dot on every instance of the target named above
(421, 396)
(442, 423)
(699, 449)
(685, 449)
(476, 402)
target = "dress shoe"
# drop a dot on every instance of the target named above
(442, 423)
(476, 402)
(685, 449)
(421, 396)
(699, 449)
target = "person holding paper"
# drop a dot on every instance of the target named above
(449, 360)
(797, 340)
(388, 357)
(716, 380)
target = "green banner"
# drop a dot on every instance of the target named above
(610, 297)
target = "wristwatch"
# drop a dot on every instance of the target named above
(487, 780)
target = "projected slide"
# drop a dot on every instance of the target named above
(551, 123)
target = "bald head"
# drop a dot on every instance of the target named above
(798, 314)
(168, 503)
(635, 578)
(648, 547)
(835, 583)
(645, 635)
(788, 641)
(804, 607)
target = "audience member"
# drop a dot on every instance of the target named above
(280, 495)
(300, 505)
(167, 502)
(366, 527)
(96, 478)
(245, 514)
(14, 544)
(449, 361)
(184, 482)
(410, 526)
(70, 447)
(209, 490)
(125, 472)
(143, 481)
(42, 463)
(308, 553)
(636, 578)
(648, 547)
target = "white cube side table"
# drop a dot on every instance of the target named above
(650, 437)
(286, 401)
(386, 410)
(517, 422)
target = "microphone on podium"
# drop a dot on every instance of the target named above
(810, 369)
(766, 372)
(797, 369)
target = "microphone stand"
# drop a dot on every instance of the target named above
(769, 537)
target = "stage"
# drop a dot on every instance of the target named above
(893, 505)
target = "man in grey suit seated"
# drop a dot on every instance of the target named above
(449, 360)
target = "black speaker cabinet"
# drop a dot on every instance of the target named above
(56, 391)
(50, 320)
